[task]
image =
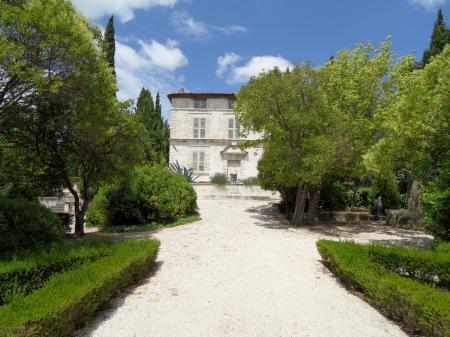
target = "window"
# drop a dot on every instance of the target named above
(234, 129)
(231, 102)
(199, 127)
(198, 161)
(200, 103)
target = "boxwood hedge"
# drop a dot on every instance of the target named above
(69, 300)
(421, 308)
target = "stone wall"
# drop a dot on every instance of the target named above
(403, 218)
(208, 191)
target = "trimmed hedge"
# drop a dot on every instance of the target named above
(26, 225)
(424, 266)
(26, 276)
(420, 308)
(69, 300)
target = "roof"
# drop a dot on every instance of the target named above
(201, 95)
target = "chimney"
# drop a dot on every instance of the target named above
(181, 91)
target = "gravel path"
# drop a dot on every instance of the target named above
(240, 272)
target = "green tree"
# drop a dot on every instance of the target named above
(415, 124)
(109, 44)
(149, 114)
(439, 38)
(68, 123)
(317, 122)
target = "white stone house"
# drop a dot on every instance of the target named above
(204, 136)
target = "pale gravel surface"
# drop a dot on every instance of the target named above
(240, 272)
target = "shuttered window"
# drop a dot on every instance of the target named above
(199, 128)
(234, 128)
(198, 161)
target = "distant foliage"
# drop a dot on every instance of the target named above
(251, 181)
(387, 187)
(26, 225)
(153, 194)
(219, 179)
(183, 171)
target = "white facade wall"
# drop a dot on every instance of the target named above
(221, 153)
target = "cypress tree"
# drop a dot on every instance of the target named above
(439, 38)
(109, 44)
(149, 114)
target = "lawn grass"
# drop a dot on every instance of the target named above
(69, 300)
(185, 219)
(419, 307)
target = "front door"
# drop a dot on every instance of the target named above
(234, 170)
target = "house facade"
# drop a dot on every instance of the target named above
(205, 134)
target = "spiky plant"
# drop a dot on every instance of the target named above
(182, 170)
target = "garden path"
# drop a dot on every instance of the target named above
(242, 272)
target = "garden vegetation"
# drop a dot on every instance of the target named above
(74, 291)
(407, 285)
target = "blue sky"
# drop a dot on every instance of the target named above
(216, 45)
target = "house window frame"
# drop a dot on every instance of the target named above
(199, 103)
(231, 102)
(199, 128)
(198, 161)
(234, 128)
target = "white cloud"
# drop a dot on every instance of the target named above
(167, 56)
(124, 9)
(185, 24)
(227, 65)
(135, 69)
(428, 4)
(225, 62)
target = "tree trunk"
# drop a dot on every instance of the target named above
(300, 201)
(313, 205)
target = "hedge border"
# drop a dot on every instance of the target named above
(417, 307)
(68, 301)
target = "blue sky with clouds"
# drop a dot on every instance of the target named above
(216, 45)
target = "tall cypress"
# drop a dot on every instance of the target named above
(149, 114)
(109, 44)
(439, 38)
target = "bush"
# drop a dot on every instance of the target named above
(30, 274)
(66, 220)
(387, 187)
(419, 307)
(154, 194)
(219, 179)
(26, 225)
(436, 205)
(69, 300)
(431, 267)
(334, 196)
(251, 181)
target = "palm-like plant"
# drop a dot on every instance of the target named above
(182, 170)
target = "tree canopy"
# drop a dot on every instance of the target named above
(58, 105)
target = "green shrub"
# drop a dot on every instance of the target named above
(69, 300)
(66, 220)
(428, 266)
(387, 187)
(154, 225)
(419, 307)
(251, 181)
(334, 196)
(154, 194)
(436, 205)
(219, 179)
(26, 225)
(27, 275)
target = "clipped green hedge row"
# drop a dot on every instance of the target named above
(69, 300)
(28, 275)
(424, 266)
(421, 308)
